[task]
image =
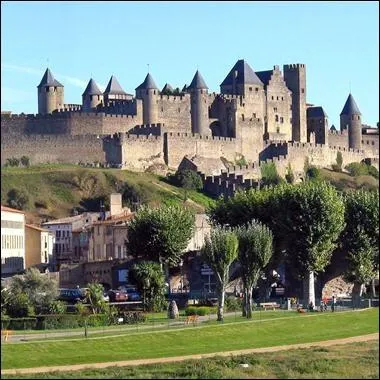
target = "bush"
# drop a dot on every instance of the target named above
(233, 304)
(57, 307)
(132, 317)
(25, 161)
(339, 162)
(17, 199)
(289, 176)
(186, 178)
(200, 310)
(373, 171)
(269, 175)
(19, 323)
(356, 169)
(313, 173)
(12, 161)
(19, 306)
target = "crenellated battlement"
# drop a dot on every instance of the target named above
(196, 136)
(294, 66)
(175, 98)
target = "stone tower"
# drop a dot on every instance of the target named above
(241, 80)
(91, 97)
(50, 94)
(148, 92)
(295, 78)
(199, 105)
(113, 92)
(350, 118)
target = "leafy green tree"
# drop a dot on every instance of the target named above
(39, 289)
(219, 252)
(311, 220)
(12, 161)
(269, 175)
(95, 297)
(339, 160)
(19, 306)
(17, 199)
(187, 179)
(150, 281)
(289, 176)
(25, 161)
(356, 169)
(161, 234)
(361, 238)
(313, 173)
(57, 307)
(254, 253)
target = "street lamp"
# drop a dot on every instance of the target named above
(181, 281)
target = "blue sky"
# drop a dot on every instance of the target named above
(338, 42)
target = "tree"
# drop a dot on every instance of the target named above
(219, 251)
(361, 238)
(254, 253)
(289, 176)
(12, 161)
(269, 175)
(39, 289)
(311, 220)
(339, 161)
(313, 173)
(187, 179)
(95, 297)
(150, 281)
(17, 199)
(161, 234)
(25, 161)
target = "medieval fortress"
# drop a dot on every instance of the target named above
(258, 117)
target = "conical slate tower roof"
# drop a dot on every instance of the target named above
(92, 88)
(167, 87)
(198, 82)
(350, 107)
(148, 84)
(333, 128)
(114, 87)
(48, 80)
(245, 75)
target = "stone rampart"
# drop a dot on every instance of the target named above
(56, 149)
(174, 112)
(177, 145)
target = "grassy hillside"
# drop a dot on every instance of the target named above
(345, 182)
(54, 190)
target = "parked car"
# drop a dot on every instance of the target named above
(133, 294)
(72, 295)
(117, 296)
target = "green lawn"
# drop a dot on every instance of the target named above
(349, 361)
(205, 339)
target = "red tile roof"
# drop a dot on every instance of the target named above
(6, 208)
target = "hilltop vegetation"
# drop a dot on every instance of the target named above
(54, 191)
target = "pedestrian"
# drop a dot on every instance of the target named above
(321, 306)
(333, 303)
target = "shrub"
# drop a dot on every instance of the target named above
(57, 307)
(356, 169)
(19, 323)
(339, 162)
(12, 161)
(17, 199)
(19, 306)
(289, 176)
(373, 171)
(186, 178)
(313, 173)
(25, 161)
(269, 175)
(200, 310)
(241, 161)
(233, 303)
(132, 317)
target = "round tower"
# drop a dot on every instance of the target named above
(199, 105)
(350, 119)
(91, 97)
(50, 94)
(148, 92)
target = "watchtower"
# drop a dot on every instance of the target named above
(148, 92)
(199, 105)
(295, 79)
(350, 118)
(91, 97)
(50, 94)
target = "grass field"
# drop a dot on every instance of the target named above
(53, 190)
(197, 340)
(349, 361)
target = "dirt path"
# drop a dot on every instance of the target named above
(123, 363)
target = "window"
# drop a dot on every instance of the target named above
(58, 234)
(257, 89)
(373, 143)
(278, 129)
(302, 90)
(272, 97)
(47, 89)
(282, 98)
(276, 118)
(275, 109)
(281, 119)
(250, 89)
(162, 109)
(119, 251)
(242, 116)
(277, 97)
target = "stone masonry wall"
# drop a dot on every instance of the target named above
(174, 112)
(55, 149)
